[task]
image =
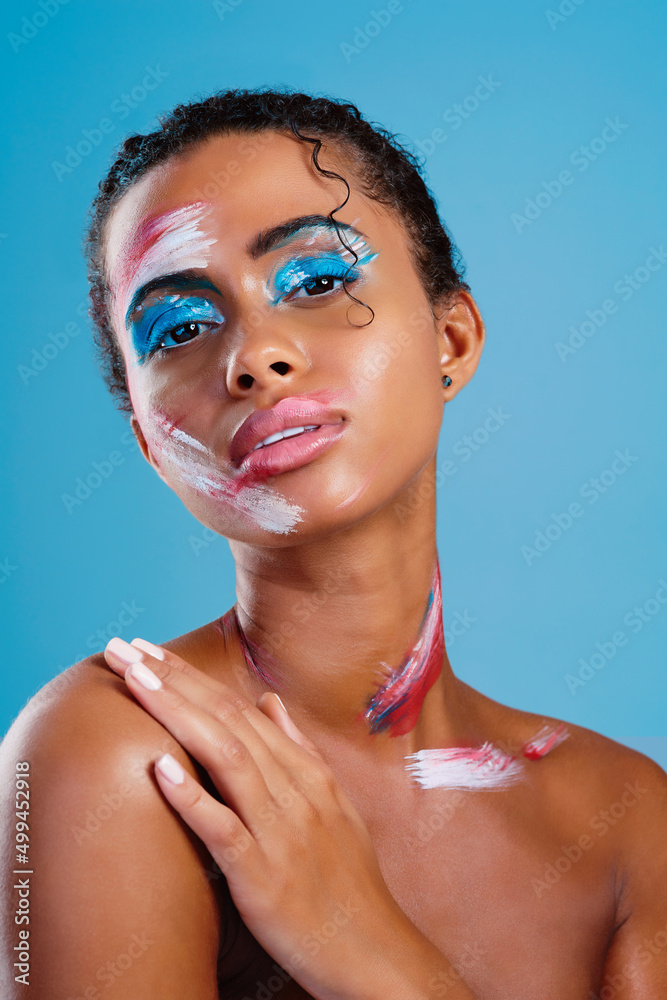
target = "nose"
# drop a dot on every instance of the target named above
(264, 357)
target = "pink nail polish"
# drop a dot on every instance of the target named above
(148, 647)
(145, 676)
(171, 769)
(123, 650)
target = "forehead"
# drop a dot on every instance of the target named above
(248, 181)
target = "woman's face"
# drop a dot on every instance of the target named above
(219, 315)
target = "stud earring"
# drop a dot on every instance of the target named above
(446, 380)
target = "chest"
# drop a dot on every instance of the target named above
(502, 888)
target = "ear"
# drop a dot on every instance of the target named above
(145, 450)
(461, 336)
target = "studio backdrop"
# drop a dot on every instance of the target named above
(541, 130)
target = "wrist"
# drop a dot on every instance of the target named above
(402, 963)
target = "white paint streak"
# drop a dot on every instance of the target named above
(266, 507)
(469, 768)
(174, 242)
(545, 740)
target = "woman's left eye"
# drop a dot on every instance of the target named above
(311, 278)
(320, 284)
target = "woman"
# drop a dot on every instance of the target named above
(281, 312)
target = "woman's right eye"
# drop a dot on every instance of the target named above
(157, 330)
(182, 334)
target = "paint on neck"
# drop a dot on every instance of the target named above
(257, 660)
(396, 705)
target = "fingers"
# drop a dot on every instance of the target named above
(206, 693)
(217, 826)
(248, 758)
(232, 767)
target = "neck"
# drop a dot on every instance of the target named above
(348, 631)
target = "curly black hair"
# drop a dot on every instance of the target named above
(387, 172)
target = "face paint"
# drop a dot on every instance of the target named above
(156, 323)
(305, 269)
(197, 467)
(478, 768)
(397, 703)
(168, 243)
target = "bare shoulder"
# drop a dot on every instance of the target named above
(88, 705)
(584, 771)
(119, 895)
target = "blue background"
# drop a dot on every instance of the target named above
(556, 79)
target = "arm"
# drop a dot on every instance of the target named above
(636, 963)
(119, 906)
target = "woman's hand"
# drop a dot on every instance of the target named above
(296, 854)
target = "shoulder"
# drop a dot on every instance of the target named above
(85, 719)
(587, 776)
(115, 868)
(87, 707)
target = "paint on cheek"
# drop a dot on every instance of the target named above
(197, 467)
(480, 768)
(397, 703)
(167, 243)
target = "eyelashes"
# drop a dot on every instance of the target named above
(157, 324)
(305, 272)
(301, 278)
(303, 275)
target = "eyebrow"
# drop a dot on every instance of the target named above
(179, 279)
(262, 243)
(272, 238)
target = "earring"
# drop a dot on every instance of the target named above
(446, 380)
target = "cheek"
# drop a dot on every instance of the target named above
(401, 371)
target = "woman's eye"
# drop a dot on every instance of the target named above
(181, 334)
(320, 284)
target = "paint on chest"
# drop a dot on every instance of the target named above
(484, 767)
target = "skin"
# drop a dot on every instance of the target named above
(443, 880)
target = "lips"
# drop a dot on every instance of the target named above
(319, 421)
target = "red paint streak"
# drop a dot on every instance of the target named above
(229, 627)
(544, 741)
(364, 486)
(397, 703)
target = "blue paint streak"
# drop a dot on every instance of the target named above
(158, 321)
(304, 271)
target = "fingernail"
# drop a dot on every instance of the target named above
(281, 702)
(148, 647)
(123, 650)
(171, 769)
(145, 676)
